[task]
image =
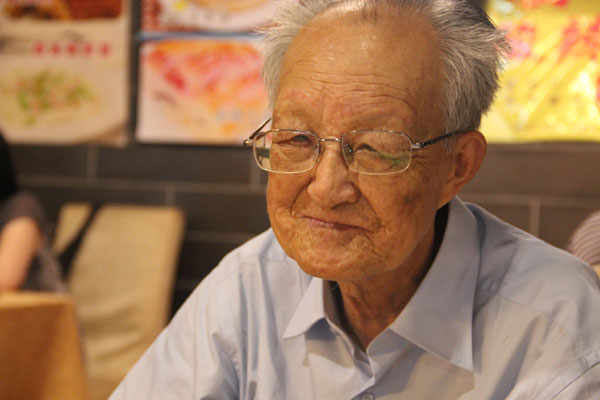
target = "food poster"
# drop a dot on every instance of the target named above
(551, 86)
(205, 15)
(64, 70)
(200, 90)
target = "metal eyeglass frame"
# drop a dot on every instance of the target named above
(413, 146)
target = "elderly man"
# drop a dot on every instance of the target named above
(375, 281)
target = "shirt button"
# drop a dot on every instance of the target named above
(367, 396)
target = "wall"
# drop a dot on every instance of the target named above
(546, 189)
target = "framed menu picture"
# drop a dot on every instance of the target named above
(551, 87)
(63, 70)
(200, 90)
(205, 15)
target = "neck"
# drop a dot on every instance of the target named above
(368, 308)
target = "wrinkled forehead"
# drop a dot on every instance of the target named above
(384, 53)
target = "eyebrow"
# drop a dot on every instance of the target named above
(297, 104)
(368, 122)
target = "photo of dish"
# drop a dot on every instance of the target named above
(38, 98)
(64, 71)
(53, 103)
(200, 91)
(205, 15)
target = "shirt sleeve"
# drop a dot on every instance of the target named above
(23, 204)
(193, 358)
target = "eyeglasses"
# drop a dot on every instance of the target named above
(370, 152)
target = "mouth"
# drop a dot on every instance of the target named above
(320, 223)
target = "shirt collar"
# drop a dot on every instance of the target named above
(438, 318)
(310, 310)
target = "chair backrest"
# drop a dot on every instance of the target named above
(121, 280)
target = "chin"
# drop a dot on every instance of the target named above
(331, 254)
(330, 261)
(328, 272)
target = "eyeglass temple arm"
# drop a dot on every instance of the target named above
(420, 145)
(249, 141)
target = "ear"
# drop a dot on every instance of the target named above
(465, 160)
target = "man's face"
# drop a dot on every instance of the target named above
(342, 74)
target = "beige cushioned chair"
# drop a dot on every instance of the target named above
(121, 281)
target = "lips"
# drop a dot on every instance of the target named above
(358, 217)
(321, 223)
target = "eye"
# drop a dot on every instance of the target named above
(300, 139)
(364, 146)
(292, 138)
(377, 151)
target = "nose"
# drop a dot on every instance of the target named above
(331, 184)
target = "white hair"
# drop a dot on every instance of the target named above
(473, 49)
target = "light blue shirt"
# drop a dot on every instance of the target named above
(499, 315)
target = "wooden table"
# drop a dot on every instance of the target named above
(40, 351)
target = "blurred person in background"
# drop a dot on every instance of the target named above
(376, 281)
(26, 260)
(585, 241)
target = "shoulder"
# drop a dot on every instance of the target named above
(509, 254)
(532, 277)
(22, 204)
(251, 276)
(536, 311)
(256, 257)
(249, 297)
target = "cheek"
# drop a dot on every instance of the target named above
(406, 207)
(283, 190)
(399, 195)
(282, 193)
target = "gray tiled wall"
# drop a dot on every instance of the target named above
(546, 189)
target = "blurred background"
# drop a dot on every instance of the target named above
(544, 187)
(140, 107)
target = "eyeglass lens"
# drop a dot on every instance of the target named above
(286, 151)
(367, 152)
(377, 152)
